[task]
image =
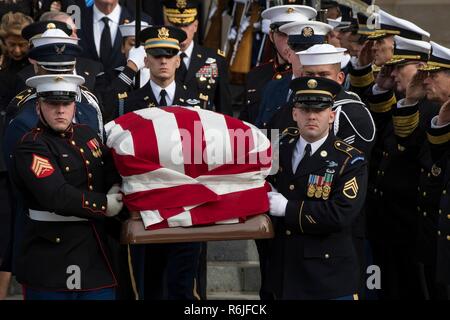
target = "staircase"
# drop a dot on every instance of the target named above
(233, 270)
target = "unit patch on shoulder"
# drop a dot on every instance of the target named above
(41, 167)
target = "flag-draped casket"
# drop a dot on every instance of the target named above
(187, 166)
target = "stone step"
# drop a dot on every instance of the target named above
(219, 295)
(235, 250)
(236, 276)
(15, 288)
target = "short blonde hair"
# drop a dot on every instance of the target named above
(12, 24)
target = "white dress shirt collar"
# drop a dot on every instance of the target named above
(299, 150)
(188, 53)
(301, 144)
(170, 89)
(98, 25)
(114, 16)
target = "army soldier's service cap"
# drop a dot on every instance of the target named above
(129, 29)
(56, 87)
(281, 15)
(409, 50)
(37, 28)
(162, 40)
(321, 54)
(387, 24)
(180, 12)
(314, 92)
(56, 57)
(306, 32)
(439, 58)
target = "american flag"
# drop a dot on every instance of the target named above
(187, 166)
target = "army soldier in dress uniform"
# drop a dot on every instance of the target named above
(162, 271)
(278, 67)
(318, 191)
(64, 172)
(202, 70)
(162, 44)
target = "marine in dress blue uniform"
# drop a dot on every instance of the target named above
(64, 172)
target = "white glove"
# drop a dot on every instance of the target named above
(114, 204)
(278, 204)
(265, 26)
(244, 25)
(114, 189)
(233, 34)
(137, 56)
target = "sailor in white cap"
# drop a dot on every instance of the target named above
(353, 123)
(64, 172)
(278, 67)
(135, 58)
(301, 35)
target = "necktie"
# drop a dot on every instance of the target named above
(162, 100)
(306, 156)
(182, 70)
(105, 42)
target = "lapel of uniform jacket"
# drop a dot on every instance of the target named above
(180, 96)
(286, 152)
(198, 59)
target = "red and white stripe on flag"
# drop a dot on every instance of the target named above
(187, 166)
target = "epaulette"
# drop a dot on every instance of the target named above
(344, 147)
(21, 98)
(221, 53)
(289, 134)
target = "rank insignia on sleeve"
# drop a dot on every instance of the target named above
(351, 188)
(41, 167)
(94, 146)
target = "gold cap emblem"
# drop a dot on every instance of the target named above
(181, 4)
(290, 10)
(312, 84)
(308, 32)
(51, 25)
(163, 33)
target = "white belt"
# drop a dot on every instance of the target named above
(51, 216)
